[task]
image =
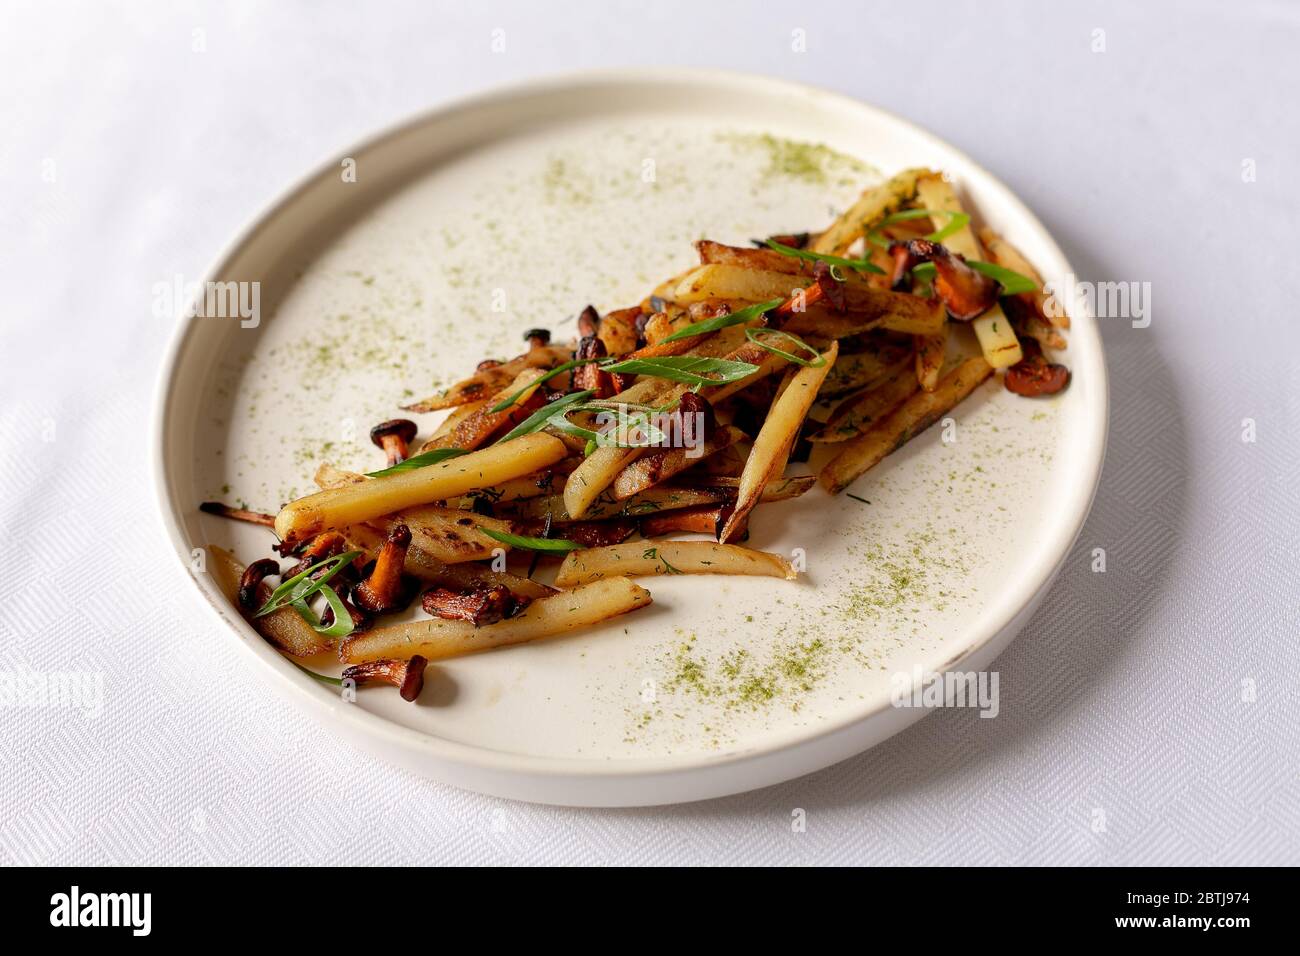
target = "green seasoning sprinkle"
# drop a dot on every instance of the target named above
(532, 544)
(860, 265)
(422, 460)
(724, 321)
(756, 335)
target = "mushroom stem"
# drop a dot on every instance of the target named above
(238, 514)
(382, 591)
(407, 676)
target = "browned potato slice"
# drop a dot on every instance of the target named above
(702, 490)
(909, 419)
(772, 447)
(457, 415)
(553, 616)
(858, 413)
(874, 205)
(767, 260)
(996, 337)
(618, 331)
(644, 558)
(1009, 257)
(859, 370)
(447, 535)
(284, 628)
(460, 577)
(474, 429)
(603, 465)
(660, 464)
(931, 350)
(481, 384)
(336, 508)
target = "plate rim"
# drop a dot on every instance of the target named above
(420, 747)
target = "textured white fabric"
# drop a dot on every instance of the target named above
(1128, 731)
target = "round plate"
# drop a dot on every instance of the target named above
(402, 262)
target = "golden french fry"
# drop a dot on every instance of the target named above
(284, 628)
(448, 424)
(481, 384)
(645, 558)
(869, 308)
(445, 535)
(906, 421)
(772, 447)
(474, 429)
(660, 464)
(336, 508)
(704, 490)
(931, 350)
(874, 205)
(859, 370)
(997, 338)
(603, 465)
(461, 576)
(857, 414)
(618, 331)
(1008, 256)
(549, 617)
(767, 260)
(741, 284)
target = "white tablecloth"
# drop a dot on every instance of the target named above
(1148, 713)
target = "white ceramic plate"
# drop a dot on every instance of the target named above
(515, 209)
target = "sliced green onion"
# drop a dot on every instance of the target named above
(302, 586)
(559, 369)
(1012, 283)
(754, 336)
(343, 624)
(956, 221)
(422, 460)
(532, 544)
(860, 265)
(724, 321)
(336, 682)
(606, 439)
(538, 419)
(687, 368)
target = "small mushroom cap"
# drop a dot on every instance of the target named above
(403, 428)
(252, 579)
(543, 334)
